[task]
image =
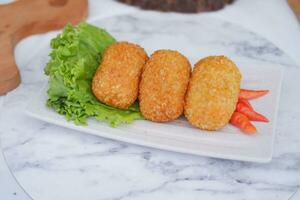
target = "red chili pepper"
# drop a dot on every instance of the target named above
(242, 122)
(246, 102)
(250, 113)
(252, 94)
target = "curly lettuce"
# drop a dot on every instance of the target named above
(76, 54)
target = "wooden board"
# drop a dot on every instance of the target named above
(295, 5)
(26, 17)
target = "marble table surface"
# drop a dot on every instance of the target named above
(51, 162)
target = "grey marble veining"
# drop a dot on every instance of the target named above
(166, 33)
(51, 162)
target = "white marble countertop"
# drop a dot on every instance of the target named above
(55, 163)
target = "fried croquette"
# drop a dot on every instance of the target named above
(163, 85)
(212, 93)
(116, 80)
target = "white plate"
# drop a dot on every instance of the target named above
(179, 136)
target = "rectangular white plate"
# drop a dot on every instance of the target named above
(179, 136)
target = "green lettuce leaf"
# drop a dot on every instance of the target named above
(76, 54)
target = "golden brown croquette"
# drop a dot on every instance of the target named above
(163, 85)
(116, 80)
(212, 92)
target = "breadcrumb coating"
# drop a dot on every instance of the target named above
(212, 93)
(163, 85)
(116, 80)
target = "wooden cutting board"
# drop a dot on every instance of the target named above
(295, 5)
(26, 17)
